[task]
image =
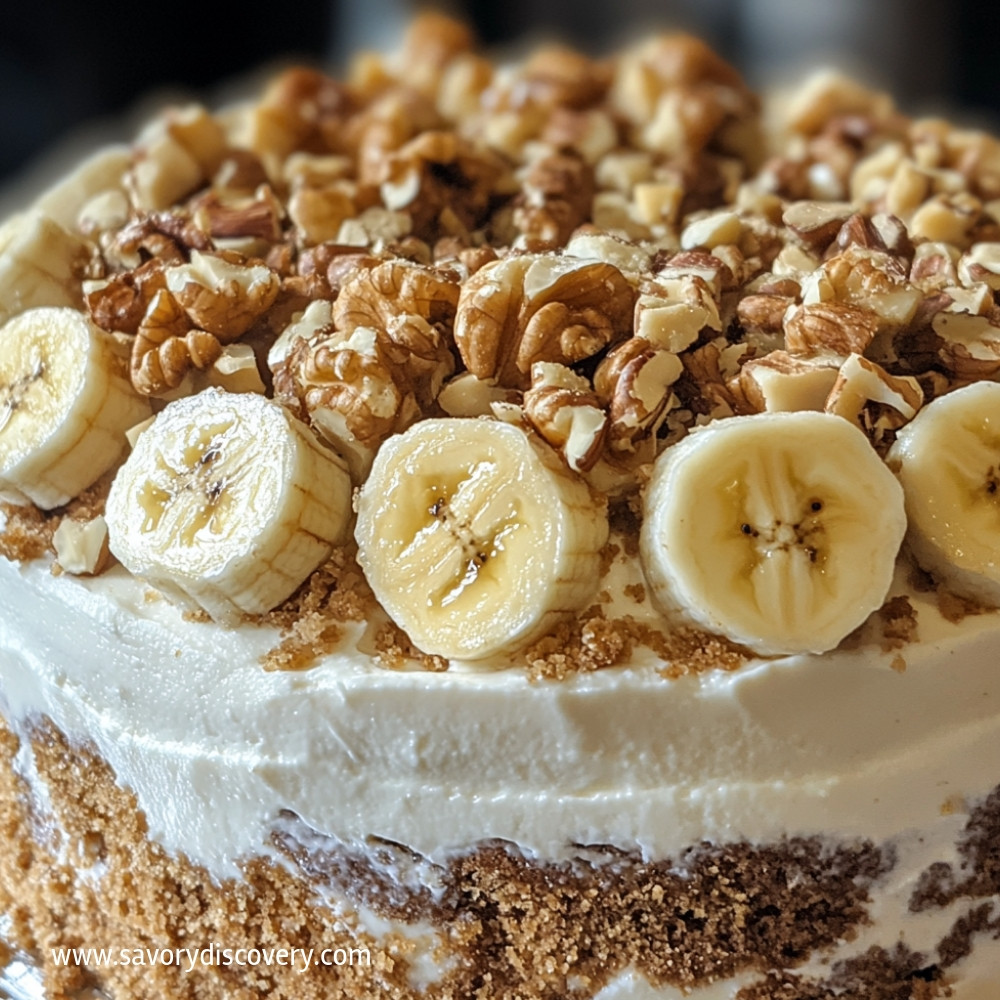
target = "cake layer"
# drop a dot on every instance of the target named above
(801, 918)
(854, 743)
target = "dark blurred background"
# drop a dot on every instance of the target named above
(67, 66)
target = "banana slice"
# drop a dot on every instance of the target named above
(778, 530)
(40, 265)
(65, 405)
(948, 460)
(228, 500)
(475, 537)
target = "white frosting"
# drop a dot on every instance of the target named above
(214, 746)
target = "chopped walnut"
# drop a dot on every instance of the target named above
(829, 328)
(443, 182)
(817, 223)
(871, 398)
(557, 192)
(563, 408)
(350, 390)
(981, 264)
(166, 347)
(671, 313)
(222, 296)
(875, 281)
(934, 266)
(781, 382)
(539, 307)
(763, 313)
(82, 546)
(589, 243)
(969, 345)
(468, 396)
(634, 382)
(414, 308)
(120, 302)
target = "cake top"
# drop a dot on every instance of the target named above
(522, 364)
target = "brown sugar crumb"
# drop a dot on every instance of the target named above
(878, 974)
(607, 556)
(898, 619)
(311, 619)
(625, 519)
(688, 650)
(977, 876)
(591, 642)
(954, 608)
(394, 649)
(26, 534)
(637, 592)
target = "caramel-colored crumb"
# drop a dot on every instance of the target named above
(689, 650)
(594, 642)
(311, 619)
(590, 642)
(395, 650)
(954, 608)
(898, 664)
(898, 619)
(637, 592)
(27, 532)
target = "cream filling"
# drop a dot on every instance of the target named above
(214, 746)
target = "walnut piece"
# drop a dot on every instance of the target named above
(563, 408)
(413, 307)
(539, 307)
(829, 328)
(780, 382)
(222, 296)
(166, 347)
(350, 391)
(82, 546)
(861, 382)
(634, 382)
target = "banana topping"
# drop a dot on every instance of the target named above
(948, 460)
(475, 537)
(228, 500)
(64, 406)
(777, 530)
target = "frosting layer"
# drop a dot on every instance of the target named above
(215, 747)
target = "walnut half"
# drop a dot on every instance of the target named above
(539, 307)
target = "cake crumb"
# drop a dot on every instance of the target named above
(26, 534)
(954, 608)
(637, 592)
(311, 619)
(898, 664)
(898, 619)
(395, 650)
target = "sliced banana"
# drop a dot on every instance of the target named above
(65, 405)
(948, 460)
(777, 530)
(228, 500)
(40, 265)
(475, 537)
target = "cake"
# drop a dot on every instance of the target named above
(506, 532)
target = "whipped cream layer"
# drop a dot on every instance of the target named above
(215, 747)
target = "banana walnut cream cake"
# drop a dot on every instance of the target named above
(534, 527)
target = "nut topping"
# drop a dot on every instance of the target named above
(221, 296)
(539, 307)
(563, 408)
